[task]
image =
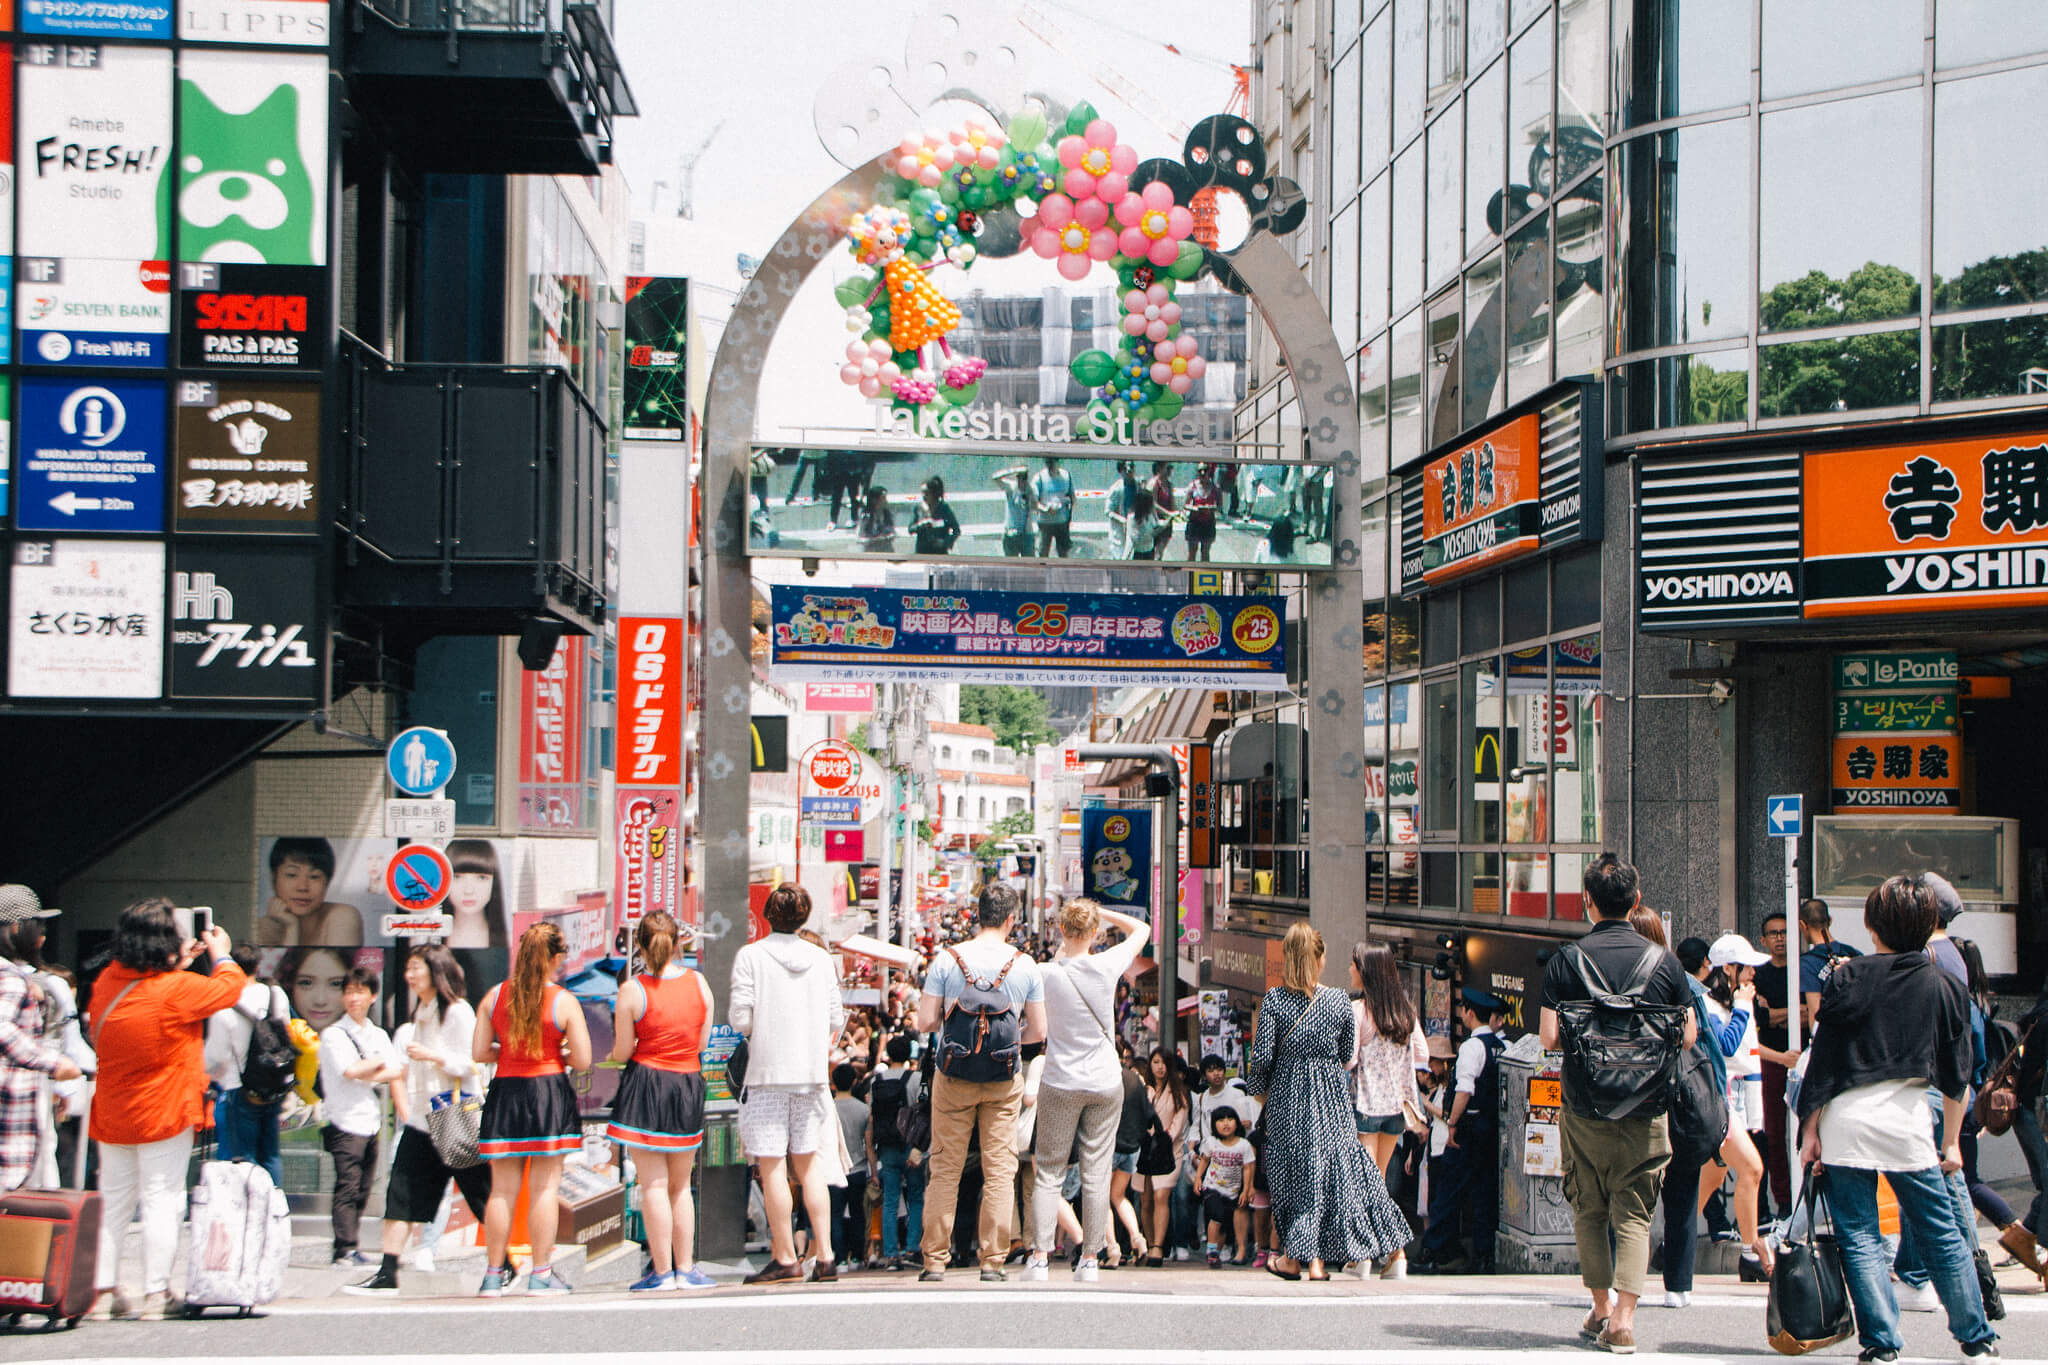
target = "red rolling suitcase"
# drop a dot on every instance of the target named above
(49, 1249)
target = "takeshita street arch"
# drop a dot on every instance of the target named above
(1222, 151)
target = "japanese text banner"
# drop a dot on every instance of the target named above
(1077, 638)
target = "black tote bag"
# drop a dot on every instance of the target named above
(1809, 1304)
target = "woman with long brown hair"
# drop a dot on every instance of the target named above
(1389, 1051)
(529, 1027)
(1330, 1204)
(658, 1029)
(1166, 1150)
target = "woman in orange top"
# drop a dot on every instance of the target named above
(658, 1028)
(148, 1023)
(525, 1028)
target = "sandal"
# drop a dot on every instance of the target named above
(1154, 1260)
(1273, 1268)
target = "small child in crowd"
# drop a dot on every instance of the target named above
(1223, 1175)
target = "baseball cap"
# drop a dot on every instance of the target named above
(18, 903)
(1948, 902)
(1735, 950)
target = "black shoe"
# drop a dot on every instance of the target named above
(1879, 1353)
(383, 1283)
(991, 1275)
(1980, 1350)
(1450, 1265)
(1483, 1266)
(932, 1277)
(777, 1272)
(1750, 1270)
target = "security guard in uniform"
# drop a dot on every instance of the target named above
(1470, 1166)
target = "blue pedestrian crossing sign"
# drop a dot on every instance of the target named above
(420, 761)
(1785, 816)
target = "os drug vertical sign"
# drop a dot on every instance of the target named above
(650, 767)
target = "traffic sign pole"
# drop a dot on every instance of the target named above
(1785, 818)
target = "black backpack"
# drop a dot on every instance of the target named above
(1621, 1053)
(888, 1096)
(271, 1068)
(981, 1037)
(1699, 1105)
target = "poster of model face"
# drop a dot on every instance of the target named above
(311, 889)
(280, 23)
(248, 456)
(313, 976)
(244, 624)
(93, 150)
(480, 892)
(85, 618)
(251, 152)
(93, 455)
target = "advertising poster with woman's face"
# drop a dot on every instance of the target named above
(312, 978)
(313, 889)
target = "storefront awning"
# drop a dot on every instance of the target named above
(867, 946)
(1184, 714)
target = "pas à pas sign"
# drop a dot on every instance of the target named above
(1031, 422)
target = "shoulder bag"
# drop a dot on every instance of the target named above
(1809, 1305)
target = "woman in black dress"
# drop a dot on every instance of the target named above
(1330, 1206)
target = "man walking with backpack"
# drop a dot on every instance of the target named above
(253, 1062)
(985, 1000)
(1619, 1008)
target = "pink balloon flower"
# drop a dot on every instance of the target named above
(1097, 165)
(1153, 225)
(924, 157)
(1075, 235)
(1176, 364)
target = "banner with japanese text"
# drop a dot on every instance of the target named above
(1034, 639)
(552, 787)
(650, 855)
(1116, 855)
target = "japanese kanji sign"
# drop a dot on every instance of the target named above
(1907, 711)
(85, 618)
(1894, 772)
(1927, 526)
(245, 624)
(1042, 639)
(650, 854)
(1479, 501)
(551, 780)
(650, 733)
(1896, 744)
(248, 456)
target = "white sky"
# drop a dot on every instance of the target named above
(760, 66)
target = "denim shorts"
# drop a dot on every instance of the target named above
(1127, 1162)
(1391, 1124)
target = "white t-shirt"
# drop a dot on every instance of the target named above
(1879, 1127)
(1228, 1162)
(352, 1106)
(1080, 1019)
(985, 958)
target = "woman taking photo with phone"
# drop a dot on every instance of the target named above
(658, 1029)
(527, 1027)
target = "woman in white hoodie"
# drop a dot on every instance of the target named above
(785, 1000)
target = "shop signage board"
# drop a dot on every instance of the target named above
(656, 401)
(1901, 711)
(248, 456)
(1198, 810)
(252, 157)
(650, 853)
(650, 701)
(551, 741)
(85, 618)
(1031, 639)
(6, 436)
(852, 699)
(834, 768)
(93, 152)
(98, 18)
(1901, 670)
(1897, 772)
(280, 23)
(1896, 744)
(830, 810)
(250, 317)
(1719, 540)
(245, 624)
(81, 311)
(1529, 482)
(92, 455)
(845, 845)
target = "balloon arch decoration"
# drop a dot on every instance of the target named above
(1071, 194)
(1059, 184)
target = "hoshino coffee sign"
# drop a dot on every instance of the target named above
(1909, 528)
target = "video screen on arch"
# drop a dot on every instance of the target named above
(1169, 505)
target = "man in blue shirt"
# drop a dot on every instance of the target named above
(961, 1105)
(1817, 962)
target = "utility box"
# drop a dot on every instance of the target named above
(1535, 1217)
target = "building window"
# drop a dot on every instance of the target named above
(981, 755)
(1014, 806)
(945, 751)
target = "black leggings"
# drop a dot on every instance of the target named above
(1681, 1218)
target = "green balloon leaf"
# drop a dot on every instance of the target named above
(1190, 263)
(853, 292)
(1146, 413)
(1092, 367)
(1027, 129)
(1080, 116)
(960, 398)
(1167, 405)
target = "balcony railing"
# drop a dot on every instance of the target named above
(472, 494)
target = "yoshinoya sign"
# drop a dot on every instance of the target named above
(1529, 481)
(1029, 638)
(1905, 528)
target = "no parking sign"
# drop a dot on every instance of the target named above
(418, 877)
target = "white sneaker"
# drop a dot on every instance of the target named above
(1034, 1272)
(1677, 1298)
(1180, 1253)
(1085, 1272)
(423, 1259)
(1921, 1300)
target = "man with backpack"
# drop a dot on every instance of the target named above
(894, 1118)
(253, 1064)
(1619, 1008)
(985, 1000)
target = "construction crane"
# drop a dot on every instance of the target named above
(1047, 30)
(686, 174)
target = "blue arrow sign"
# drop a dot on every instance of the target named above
(420, 761)
(1785, 816)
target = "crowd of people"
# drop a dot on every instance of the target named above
(1008, 1109)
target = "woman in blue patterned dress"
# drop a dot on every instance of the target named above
(1330, 1206)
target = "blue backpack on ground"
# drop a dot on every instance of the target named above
(981, 1037)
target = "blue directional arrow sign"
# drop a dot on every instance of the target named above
(1785, 816)
(420, 761)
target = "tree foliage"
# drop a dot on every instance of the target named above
(1018, 715)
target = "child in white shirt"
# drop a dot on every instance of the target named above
(1223, 1175)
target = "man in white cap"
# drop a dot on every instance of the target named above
(27, 1055)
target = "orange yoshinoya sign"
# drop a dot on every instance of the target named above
(1898, 772)
(1479, 503)
(1927, 526)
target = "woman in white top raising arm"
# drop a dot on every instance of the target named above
(1082, 1088)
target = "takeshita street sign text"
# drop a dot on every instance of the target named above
(1207, 428)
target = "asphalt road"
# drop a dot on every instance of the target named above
(1189, 1317)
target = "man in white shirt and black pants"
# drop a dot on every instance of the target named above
(355, 1058)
